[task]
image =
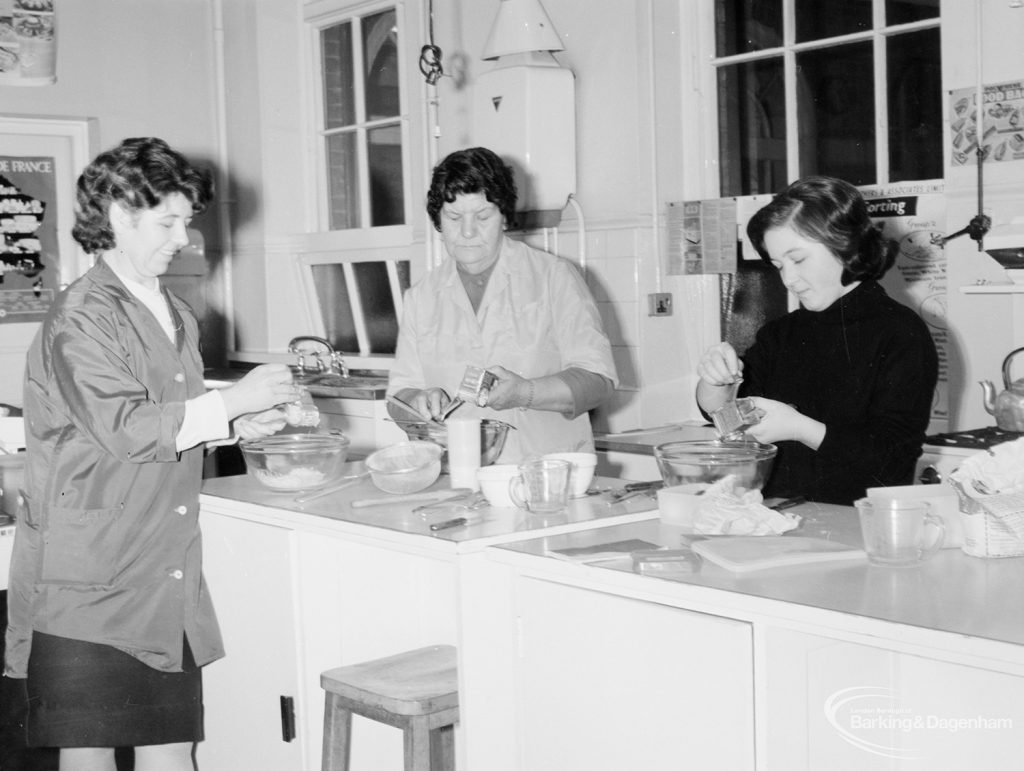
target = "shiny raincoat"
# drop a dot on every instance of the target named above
(108, 550)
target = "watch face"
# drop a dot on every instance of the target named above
(922, 245)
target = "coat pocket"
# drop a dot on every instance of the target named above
(81, 546)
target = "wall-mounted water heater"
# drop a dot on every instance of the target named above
(525, 108)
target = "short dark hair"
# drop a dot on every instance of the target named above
(832, 212)
(137, 174)
(474, 170)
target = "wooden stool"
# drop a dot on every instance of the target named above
(416, 691)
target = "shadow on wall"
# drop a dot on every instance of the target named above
(202, 286)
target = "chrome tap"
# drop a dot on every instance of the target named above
(336, 362)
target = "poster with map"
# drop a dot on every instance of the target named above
(29, 256)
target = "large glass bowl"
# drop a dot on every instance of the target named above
(704, 461)
(492, 438)
(406, 467)
(295, 462)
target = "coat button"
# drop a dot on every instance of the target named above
(179, 378)
(177, 574)
(183, 510)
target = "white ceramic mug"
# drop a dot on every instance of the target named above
(542, 486)
(899, 533)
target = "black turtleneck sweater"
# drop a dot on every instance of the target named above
(866, 367)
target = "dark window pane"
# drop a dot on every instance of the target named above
(343, 180)
(387, 199)
(742, 26)
(373, 288)
(335, 308)
(751, 127)
(905, 11)
(380, 53)
(836, 113)
(817, 19)
(915, 105)
(339, 84)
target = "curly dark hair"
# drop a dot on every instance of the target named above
(474, 170)
(832, 212)
(137, 174)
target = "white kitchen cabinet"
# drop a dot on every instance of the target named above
(846, 706)
(291, 603)
(609, 682)
(249, 568)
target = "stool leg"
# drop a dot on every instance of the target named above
(416, 739)
(442, 748)
(337, 735)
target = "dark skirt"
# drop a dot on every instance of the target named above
(82, 694)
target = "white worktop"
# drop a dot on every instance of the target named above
(549, 648)
(952, 592)
(397, 520)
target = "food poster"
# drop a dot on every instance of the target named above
(701, 237)
(1002, 124)
(28, 43)
(29, 254)
(913, 216)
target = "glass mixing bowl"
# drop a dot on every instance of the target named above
(492, 438)
(406, 467)
(708, 460)
(295, 462)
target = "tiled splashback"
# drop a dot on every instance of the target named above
(654, 356)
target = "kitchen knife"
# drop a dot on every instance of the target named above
(432, 495)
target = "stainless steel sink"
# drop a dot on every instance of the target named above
(334, 385)
(366, 384)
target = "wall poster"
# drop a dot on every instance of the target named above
(1002, 124)
(701, 237)
(40, 160)
(914, 216)
(29, 254)
(28, 43)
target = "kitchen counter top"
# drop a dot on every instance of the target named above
(487, 525)
(952, 592)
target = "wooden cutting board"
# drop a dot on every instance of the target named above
(746, 553)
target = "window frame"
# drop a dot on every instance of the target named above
(789, 49)
(317, 16)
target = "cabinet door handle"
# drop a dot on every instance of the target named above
(287, 718)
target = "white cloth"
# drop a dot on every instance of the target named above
(536, 318)
(206, 418)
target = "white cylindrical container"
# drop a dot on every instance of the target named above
(463, 451)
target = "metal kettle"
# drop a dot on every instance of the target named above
(1008, 406)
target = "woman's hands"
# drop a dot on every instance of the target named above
(260, 389)
(782, 422)
(719, 369)
(510, 390)
(720, 365)
(429, 403)
(259, 424)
